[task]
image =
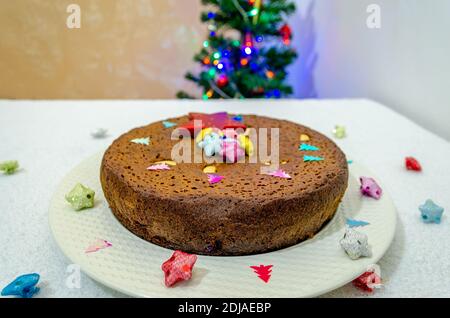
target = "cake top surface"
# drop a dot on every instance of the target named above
(242, 181)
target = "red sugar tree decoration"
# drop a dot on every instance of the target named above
(263, 271)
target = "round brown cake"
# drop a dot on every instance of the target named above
(245, 213)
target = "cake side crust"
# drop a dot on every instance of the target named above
(171, 224)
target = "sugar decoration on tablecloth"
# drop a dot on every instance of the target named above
(178, 267)
(355, 244)
(370, 188)
(349, 162)
(80, 197)
(355, 223)
(168, 124)
(369, 280)
(23, 286)
(307, 147)
(99, 133)
(311, 158)
(98, 245)
(158, 167)
(214, 178)
(9, 167)
(431, 212)
(141, 141)
(339, 132)
(412, 164)
(264, 272)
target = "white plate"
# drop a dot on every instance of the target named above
(133, 266)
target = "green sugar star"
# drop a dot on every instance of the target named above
(81, 197)
(9, 167)
(339, 132)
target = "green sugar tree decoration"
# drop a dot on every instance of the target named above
(247, 50)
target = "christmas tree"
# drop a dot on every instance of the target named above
(247, 50)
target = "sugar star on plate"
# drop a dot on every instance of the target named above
(81, 197)
(178, 267)
(355, 244)
(370, 188)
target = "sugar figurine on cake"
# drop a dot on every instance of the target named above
(247, 212)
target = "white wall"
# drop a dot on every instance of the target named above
(405, 64)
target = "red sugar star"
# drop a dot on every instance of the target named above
(367, 281)
(217, 120)
(412, 164)
(178, 267)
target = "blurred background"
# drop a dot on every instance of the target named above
(141, 49)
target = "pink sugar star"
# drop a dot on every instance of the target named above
(369, 187)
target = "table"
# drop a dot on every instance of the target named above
(49, 138)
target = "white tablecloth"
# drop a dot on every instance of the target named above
(49, 138)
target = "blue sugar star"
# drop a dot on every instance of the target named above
(306, 147)
(431, 212)
(23, 286)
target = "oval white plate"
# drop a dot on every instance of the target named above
(133, 266)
